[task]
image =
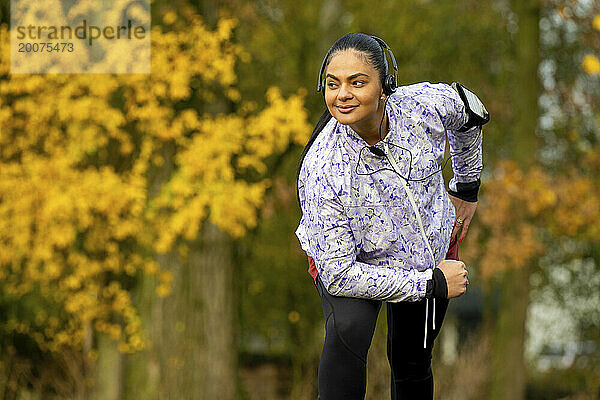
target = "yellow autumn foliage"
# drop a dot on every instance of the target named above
(518, 208)
(84, 199)
(596, 22)
(590, 62)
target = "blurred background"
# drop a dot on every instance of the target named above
(147, 246)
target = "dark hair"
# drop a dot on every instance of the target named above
(374, 54)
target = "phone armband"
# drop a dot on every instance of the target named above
(478, 114)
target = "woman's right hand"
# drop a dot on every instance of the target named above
(455, 273)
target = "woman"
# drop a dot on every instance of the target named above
(377, 224)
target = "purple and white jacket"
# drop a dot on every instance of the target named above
(374, 235)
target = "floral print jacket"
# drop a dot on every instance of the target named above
(377, 224)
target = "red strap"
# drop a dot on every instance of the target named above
(312, 269)
(453, 249)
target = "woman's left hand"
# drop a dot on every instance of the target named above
(464, 213)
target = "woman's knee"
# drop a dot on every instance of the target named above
(353, 319)
(355, 327)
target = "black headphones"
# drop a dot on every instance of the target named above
(390, 83)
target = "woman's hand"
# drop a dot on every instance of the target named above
(456, 277)
(464, 214)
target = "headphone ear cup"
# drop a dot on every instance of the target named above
(390, 84)
(323, 85)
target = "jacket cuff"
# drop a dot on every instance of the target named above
(466, 191)
(423, 285)
(437, 286)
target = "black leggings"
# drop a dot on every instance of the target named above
(349, 327)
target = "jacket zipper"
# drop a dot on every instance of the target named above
(411, 199)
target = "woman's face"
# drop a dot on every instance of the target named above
(353, 92)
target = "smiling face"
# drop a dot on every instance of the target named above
(353, 93)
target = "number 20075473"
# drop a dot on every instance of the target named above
(47, 47)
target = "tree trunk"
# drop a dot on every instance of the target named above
(212, 266)
(526, 84)
(152, 373)
(508, 365)
(192, 353)
(142, 370)
(108, 369)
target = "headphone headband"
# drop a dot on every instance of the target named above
(390, 82)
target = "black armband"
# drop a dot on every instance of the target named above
(437, 286)
(466, 191)
(478, 115)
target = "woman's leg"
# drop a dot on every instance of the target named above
(349, 327)
(410, 363)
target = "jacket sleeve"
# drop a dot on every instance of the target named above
(467, 146)
(329, 240)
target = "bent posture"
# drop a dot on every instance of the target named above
(377, 222)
